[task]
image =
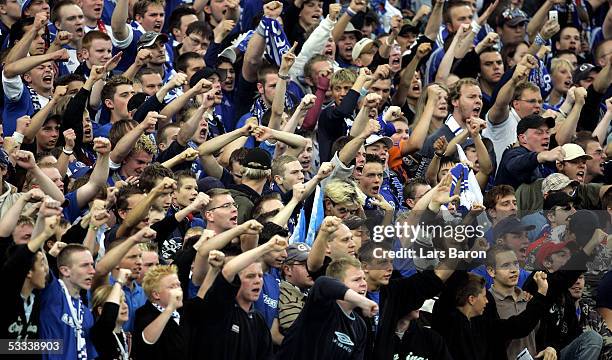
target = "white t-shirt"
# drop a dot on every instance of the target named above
(503, 134)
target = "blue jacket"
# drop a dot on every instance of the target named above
(520, 166)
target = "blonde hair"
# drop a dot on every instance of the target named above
(256, 174)
(343, 76)
(559, 63)
(421, 106)
(100, 296)
(342, 191)
(145, 144)
(152, 278)
(337, 268)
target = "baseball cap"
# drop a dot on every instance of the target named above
(574, 151)
(559, 198)
(206, 73)
(297, 252)
(136, 100)
(548, 249)
(374, 138)
(148, 39)
(511, 224)
(534, 121)
(24, 4)
(350, 28)
(583, 224)
(512, 17)
(361, 46)
(583, 72)
(257, 158)
(209, 183)
(556, 182)
(408, 27)
(229, 53)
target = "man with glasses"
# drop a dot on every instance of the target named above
(504, 267)
(195, 40)
(516, 100)
(221, 214)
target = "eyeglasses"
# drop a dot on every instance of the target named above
(532, 101)
(224, 206)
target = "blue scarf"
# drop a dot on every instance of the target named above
(277, 42)
(460, 171)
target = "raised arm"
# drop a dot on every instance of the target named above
(422, 124)
(179, 103)
(25, 64)
(11, 216)
(278, 103)
(253, 56)
(567, 128)
(113, 257)
(119, 19)
(141, 210)
(354, 7)
(370, 102)
(189, 127)
(435, 20)
(316, 257)
(399, 98)
(25, 160)
(128, 141)
(296, 143)
(234, 266)
(22, 47)
(539, 18)
(500, 109)
(99, 175)
(349, 151)
(218, 242)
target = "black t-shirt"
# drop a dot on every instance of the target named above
(102, 336)
(420, 343)
(170, 345)
(217, 328)
(323, 330)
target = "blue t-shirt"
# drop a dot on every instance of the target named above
(13, 110)
(56, 321)
(267, 304)
(72, 211)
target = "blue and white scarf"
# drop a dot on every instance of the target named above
(277, 42)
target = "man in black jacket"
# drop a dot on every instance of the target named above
(458, 316)
(327, 327)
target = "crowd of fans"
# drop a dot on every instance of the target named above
(216, 179)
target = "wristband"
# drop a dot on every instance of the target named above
(350, 12)
(440, 155)
(18, 137)
(562, 113)
(363, 92)
(284, 77)
(475, 27)
(67, 152)
(539, 40)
